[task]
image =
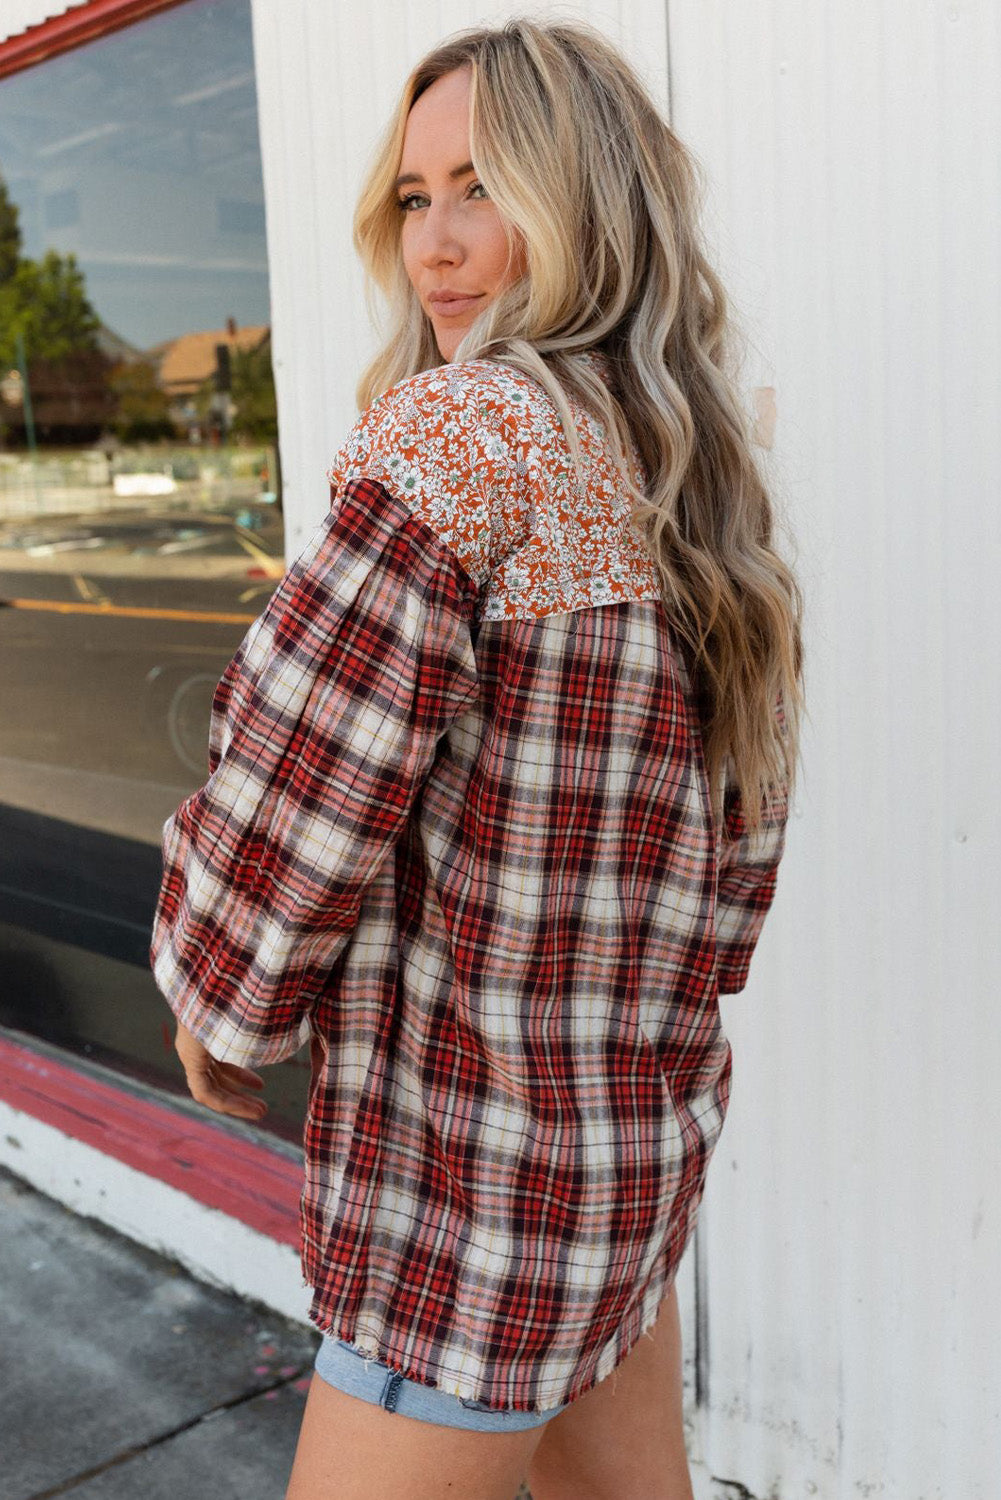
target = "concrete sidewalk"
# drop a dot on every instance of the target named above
(122, 1378)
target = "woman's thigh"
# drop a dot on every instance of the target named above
(352, 1449)
(625, 1436)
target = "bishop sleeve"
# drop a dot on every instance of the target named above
(748, 870)
(323, 728)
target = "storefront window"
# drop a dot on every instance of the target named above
(140, 500)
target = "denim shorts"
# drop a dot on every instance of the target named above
(343, 1366)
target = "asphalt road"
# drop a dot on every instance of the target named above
(123, 694)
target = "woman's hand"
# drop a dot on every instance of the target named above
(221, 1086)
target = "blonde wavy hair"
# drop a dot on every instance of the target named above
(605, 200)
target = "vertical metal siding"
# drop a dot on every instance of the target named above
(851, 1221)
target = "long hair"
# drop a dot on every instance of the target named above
(605, 200)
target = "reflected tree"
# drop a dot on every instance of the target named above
(254, 406)
(10, 235)
(256, 413)
(143, 406)
(44, 303)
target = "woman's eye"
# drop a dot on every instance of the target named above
(405, 202)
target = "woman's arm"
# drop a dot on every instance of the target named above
(748, 869)
(224, 1087)
(324, 727)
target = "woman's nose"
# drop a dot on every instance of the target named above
(439, 240)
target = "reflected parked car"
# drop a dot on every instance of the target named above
(163, 550)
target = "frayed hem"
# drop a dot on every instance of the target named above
(446, 1384)
(649, 1308)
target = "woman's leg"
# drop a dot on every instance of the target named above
(625, 1436)
(350, 1449)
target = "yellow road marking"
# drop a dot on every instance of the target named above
(136, 612)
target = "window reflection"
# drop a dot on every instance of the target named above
(140, 497)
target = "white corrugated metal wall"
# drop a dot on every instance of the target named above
(851, 1223)
(852, 1220)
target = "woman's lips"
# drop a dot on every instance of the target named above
(451, 306)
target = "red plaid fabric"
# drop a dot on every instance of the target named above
(467, 855)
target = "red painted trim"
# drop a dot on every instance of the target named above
(84, 23)
(244, 1179)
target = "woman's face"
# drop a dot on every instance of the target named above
(453, 240)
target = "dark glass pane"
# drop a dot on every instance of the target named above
(140, 501)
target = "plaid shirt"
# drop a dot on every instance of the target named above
(456, 835)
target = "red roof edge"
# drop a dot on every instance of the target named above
(84, 23)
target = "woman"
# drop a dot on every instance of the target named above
(498, 789)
